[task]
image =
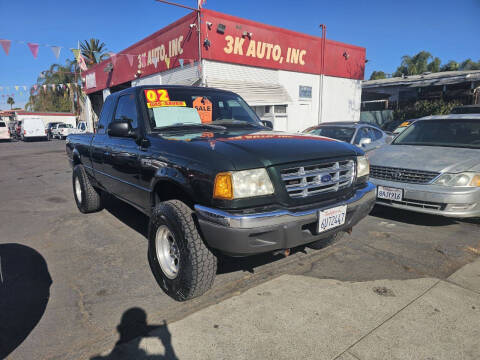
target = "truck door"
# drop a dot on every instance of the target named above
(122, 155)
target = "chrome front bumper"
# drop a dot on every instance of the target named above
(434, 199)
(246, 234)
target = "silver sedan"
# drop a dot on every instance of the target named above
(431, 167)
(365, 136)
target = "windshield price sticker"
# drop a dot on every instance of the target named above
(159, 97)
(331, 218)
(204, 109)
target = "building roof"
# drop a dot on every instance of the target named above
(426, 79)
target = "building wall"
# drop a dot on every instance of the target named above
(342, 99)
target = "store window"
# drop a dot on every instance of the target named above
(268, 109)
(280, 109)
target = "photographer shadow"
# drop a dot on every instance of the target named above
(132, 329)
(24, 293)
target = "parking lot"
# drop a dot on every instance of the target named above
(98, 266)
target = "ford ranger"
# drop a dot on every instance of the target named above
(213, 180)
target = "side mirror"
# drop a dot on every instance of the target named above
(119, 128)
(267, 123)
(364, 142)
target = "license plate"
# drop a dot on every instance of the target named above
(331, 218)
(389, 193)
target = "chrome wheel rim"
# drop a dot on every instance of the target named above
(78, 190)
(168, 254)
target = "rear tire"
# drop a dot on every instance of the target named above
(87, 198)
(182, 264)
(323, 243)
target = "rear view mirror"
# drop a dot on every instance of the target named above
(267, 123)
(364, 142)
(119, 128)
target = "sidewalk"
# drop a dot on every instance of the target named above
(299, 317)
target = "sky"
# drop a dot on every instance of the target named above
(388, 29)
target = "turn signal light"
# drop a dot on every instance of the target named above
(475, 181)
(222, 188)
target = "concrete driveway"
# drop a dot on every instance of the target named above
(83, 274)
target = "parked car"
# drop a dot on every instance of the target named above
(432, 167)
(4, 131)
(32, 128)
(365, 136)
(61, 131)
(212, 179)
(49, 128)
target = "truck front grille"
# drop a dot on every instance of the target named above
(402, 175)
(311, 180)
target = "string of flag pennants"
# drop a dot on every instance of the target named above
(23, 89)
(34, 47)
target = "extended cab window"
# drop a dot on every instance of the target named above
(127, 110)
(105, 115)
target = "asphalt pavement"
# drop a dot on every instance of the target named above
(84, 286)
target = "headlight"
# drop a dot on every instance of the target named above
(363, 166)
(242, 184)
(461, 179)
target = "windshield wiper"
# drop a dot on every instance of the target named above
(189, 126)
(238, 122)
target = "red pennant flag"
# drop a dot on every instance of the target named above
(81, 62)
(130, 59)
(34, 49)
(6, 45)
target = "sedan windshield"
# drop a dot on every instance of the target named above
(443, 132)
(186, 109)
(335, 132)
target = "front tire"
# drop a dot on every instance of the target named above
(87, 198)
(182, 264)
(320, 244)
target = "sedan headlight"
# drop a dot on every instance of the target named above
(462, 179)
(363, 166)
(242, 184)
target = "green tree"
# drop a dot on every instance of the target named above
(376, 75)
(63, 96)
(450, 66)
(434, 66)
(423, 108)
(10, 102)
(92, 46)
(414, 65)
(469, 64)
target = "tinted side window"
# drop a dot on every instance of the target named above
(127, 110)
(361, 133)
(376, 134)
(105, 115)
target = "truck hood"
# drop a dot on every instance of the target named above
(261, 148)
(429, 158)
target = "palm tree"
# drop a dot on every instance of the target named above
(10, 102)
(92, 46)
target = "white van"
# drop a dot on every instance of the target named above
(33, 128)
(4, 131)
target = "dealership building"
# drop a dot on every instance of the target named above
(292, 79)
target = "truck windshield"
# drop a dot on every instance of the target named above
(443, 132)
(177, 108)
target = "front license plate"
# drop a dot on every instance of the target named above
(389, 193)
(331, 218)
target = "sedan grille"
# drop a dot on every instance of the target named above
(402, 175)
(311, 180)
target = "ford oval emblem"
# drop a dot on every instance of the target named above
(326, 178)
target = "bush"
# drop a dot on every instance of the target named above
(424, 108)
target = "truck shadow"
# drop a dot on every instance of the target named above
(132, 329)
(24, 293)
(138, 221)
